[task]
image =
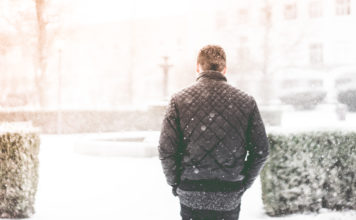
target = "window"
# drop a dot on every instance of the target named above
(243, 51)
(266, 15)
(290, 11)
(243, 40)
(315, 9)
(242, 16)
(243, 54)
(316, 54)
(220, 20)
(343, 7)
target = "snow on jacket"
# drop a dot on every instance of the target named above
(207, 131)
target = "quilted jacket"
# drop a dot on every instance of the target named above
(212, 133)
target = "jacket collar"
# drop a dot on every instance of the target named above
(211, 74)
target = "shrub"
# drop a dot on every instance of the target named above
(19, 173)
(272, 117)
(310, 171)
(348, 97)
(304, 100)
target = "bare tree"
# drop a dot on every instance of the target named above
(266, 88)
(273, 49)
(49, 29)
(41, 56)
(5, 43)
(35, 32)
(267, 21)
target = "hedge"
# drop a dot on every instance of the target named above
(19, 173)
(309, 171)
(348, 97)
(304, 100)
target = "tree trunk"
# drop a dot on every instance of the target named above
(266, 90)
(41, 62)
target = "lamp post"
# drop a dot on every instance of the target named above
(59, 88)
(165, 67)
(132, 53)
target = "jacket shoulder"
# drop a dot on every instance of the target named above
(241, 95)
(187, 91)
(191, 91)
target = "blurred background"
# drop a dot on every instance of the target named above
(81, 58)
(86, 54)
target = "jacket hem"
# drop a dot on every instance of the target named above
(211, 185)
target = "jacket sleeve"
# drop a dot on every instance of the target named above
(170, 145)
(257, 147)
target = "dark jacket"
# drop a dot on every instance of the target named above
(207, 131)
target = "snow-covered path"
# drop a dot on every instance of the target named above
(74, 186)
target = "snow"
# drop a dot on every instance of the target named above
(76, 186)
(133, 144)
(14, 127)
(324, 119)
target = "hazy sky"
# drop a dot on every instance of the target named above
(97, 11)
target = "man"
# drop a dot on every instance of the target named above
(208, 130)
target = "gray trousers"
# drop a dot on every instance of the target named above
(188, 213)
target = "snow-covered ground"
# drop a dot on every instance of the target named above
(324, 117)
(76, 186)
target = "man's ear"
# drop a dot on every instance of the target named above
(224, 71)
(198, 68)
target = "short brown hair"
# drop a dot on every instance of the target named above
(212, 57)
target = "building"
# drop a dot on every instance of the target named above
(273, 39)
(112, 65)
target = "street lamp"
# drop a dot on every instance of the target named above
(165, 67)
(59, 48)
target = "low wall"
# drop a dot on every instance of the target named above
(87, 121)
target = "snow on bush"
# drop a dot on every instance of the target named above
(18, 172)
(310, 171)
(348, 97)
(304, 100)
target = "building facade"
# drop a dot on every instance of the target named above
(270, 45)
(288, 39)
